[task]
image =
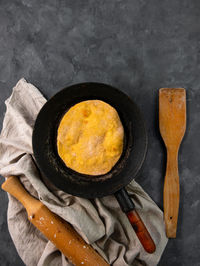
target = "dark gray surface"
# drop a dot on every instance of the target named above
(137, 46)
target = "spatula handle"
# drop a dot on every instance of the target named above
(171, 194)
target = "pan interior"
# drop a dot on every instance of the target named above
(45, 135)
(127, 142)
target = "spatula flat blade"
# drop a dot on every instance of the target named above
(172, 115)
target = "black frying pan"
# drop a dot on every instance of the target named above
(128, 166)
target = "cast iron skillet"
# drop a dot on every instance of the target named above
(128, 166)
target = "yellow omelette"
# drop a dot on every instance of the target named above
(90, 137)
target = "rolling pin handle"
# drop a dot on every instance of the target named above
(13, 186)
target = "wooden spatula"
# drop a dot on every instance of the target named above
(172, 121)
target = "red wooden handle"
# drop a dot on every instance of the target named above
(141, 231)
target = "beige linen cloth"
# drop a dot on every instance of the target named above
(100, 221)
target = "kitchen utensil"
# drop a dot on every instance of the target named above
(172, 120)
(127, 168)
(60, 233)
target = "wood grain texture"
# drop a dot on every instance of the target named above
(60, 233)
(141, 231)
(172, 122)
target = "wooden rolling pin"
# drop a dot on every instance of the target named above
(60, 233)
(172, 121)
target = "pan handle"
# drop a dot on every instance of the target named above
(140, 229)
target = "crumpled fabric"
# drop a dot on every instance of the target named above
(100, 221)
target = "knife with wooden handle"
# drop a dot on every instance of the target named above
(60, 233)
(172, 122)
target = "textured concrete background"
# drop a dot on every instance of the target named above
(135, 45)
